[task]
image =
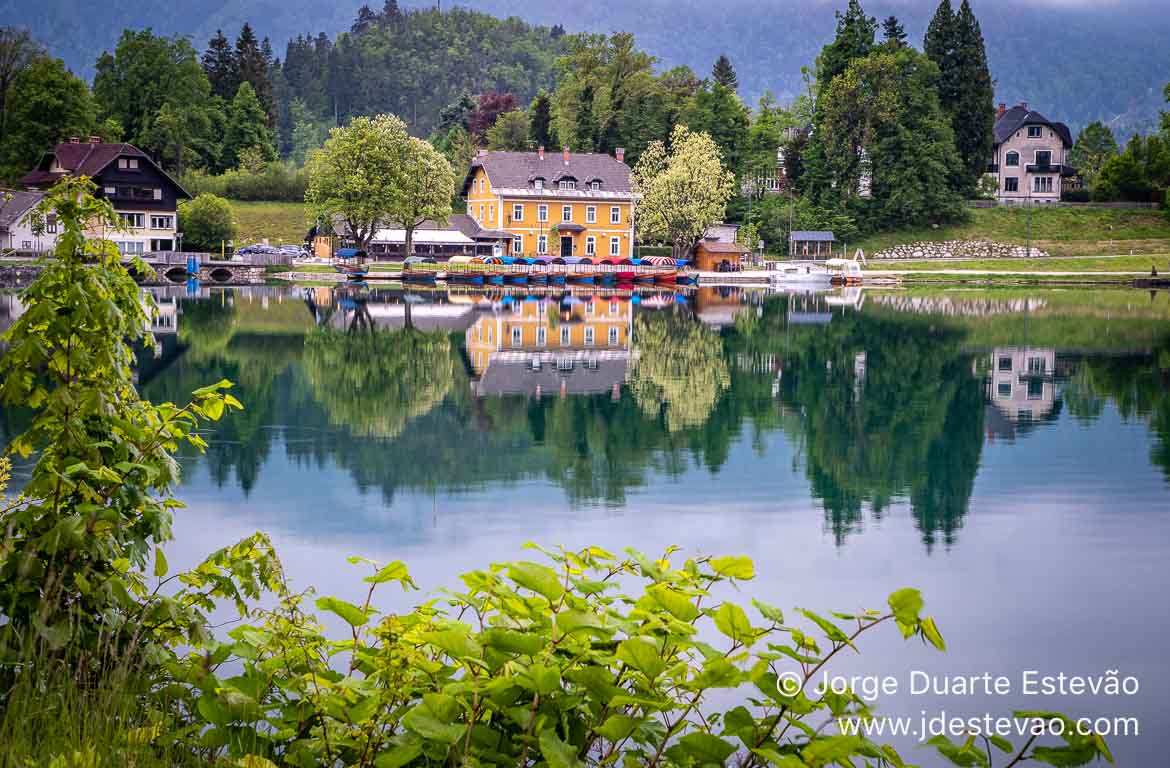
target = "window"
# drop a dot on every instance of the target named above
(1004, 390)
(538, 183)
(491, 213)
(26, 245)
(1005, 364)
(133, 220)
(567, 184)
(542, 244)
(595, 185)
(128, 249)
(518, 244)
(1035, 389)
(1042, 184)
(158, 194)
(590, 246)
(481, 213)
(589, 335)
(591, 214)
(1036, 365)
(613, 335)
(542, 212)
(590, 307)
(1011, 184)
(128, 163)
(1012, 159)
(481, 184)
(615, 215)
(1024, 414)
(51, 227)
(1035, 131)
(517, 213)
(615, 246)
(565, 364)
(541, 336)
(109, 190)
(566, 213)
(161, 222)
(1043, 157)
(613, 307)
(517, 336)
(564, 335)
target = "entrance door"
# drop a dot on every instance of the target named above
(566, 246)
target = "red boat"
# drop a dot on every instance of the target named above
(666, 279)
(625, 277)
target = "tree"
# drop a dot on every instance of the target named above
(206, 222)
(253, 61)
(143, 73)
(854, 40)
(680, 372)
(966, 93)
(510, 132)
(1140, 173)
(423, 186)
(455, 145)
(893, 33)
(718, 111)
(308, 132)
(457, 113)
(247, 128)
(683, 192)
(1094, 145)
(939, 43)
(488, 109)
(724, 74)
(884, 111)
(219, 62)
(17, 52)
(353, 178)
(540, 121)
(764, 141)
(172, 132)
(47, 104)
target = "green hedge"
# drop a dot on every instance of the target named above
(278, 181)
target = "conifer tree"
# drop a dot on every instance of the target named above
(724, 74)
(253, 67)
(219, 62)
(854, 40)
(247, 128)
(540, 121)
(973, 111)
(893, 33)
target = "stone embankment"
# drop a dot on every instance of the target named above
(17, 276)
(959, 249)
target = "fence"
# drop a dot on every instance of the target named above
(254, 259)
(1024, 203)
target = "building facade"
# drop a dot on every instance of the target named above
(1029, 156)
(17, 232)
(554, 204)
(145, 197)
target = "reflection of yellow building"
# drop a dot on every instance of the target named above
(559, 204)
(543, 348)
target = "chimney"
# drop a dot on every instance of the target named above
(1002, 108)
(540, 152)
(74, 140)
(620, 154)
(565, 153)
(95, 139)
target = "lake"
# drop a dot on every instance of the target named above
(1006, 451)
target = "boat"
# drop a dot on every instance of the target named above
(581, 279)
(686, 279)
(465, 278)
(666, 278)
(625, 277)
(844, 271)
(418, 276)
(496, 279)
(517, 279)
(800, 275)
(351, 262)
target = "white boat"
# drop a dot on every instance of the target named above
(799, 275)
(844, 271)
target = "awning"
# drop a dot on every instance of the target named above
(347, 253)
(566, 227)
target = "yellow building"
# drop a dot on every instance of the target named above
(554, 204)
(538, 348)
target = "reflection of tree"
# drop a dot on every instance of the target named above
(680, 370)
(373, 382)
(206, 326)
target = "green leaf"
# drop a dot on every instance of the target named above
(906, 604)
(213, 408)
(399, 756)
(395, 571)
(349, 612)
(931, 633)
(678, 604)
(641, 653)
(538, 578)
(1002, 744)
(703, 748)
(774, 615)
(573, 621)
(511, 641)
(456, 642)
(618, 727)
(557, 753)
(733, 622)
(422, 721)
(160, 563)
(734, 567)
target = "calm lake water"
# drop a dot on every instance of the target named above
(1005, 451)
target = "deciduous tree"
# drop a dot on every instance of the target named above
(423, 186)
(206, 222)
(684, 191)
(1094, 145)
(510, 132)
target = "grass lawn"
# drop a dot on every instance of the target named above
(1074, 264)
(1059, 231)
(279, 222)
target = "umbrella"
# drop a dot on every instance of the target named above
(558, 260)
(492, 260)
(660, 261)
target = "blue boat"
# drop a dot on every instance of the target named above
(558, 279)
(582, 279)
(497, 279)
(518, 279)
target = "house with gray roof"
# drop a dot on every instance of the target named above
(16, 227)
(1029, 156)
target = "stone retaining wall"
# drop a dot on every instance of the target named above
(959, 249)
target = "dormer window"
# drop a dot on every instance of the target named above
(595, 185)
(128, 163)
(538, 184)
(1035, 131)
(568, 184)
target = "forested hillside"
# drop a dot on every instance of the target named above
(1079, 62)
